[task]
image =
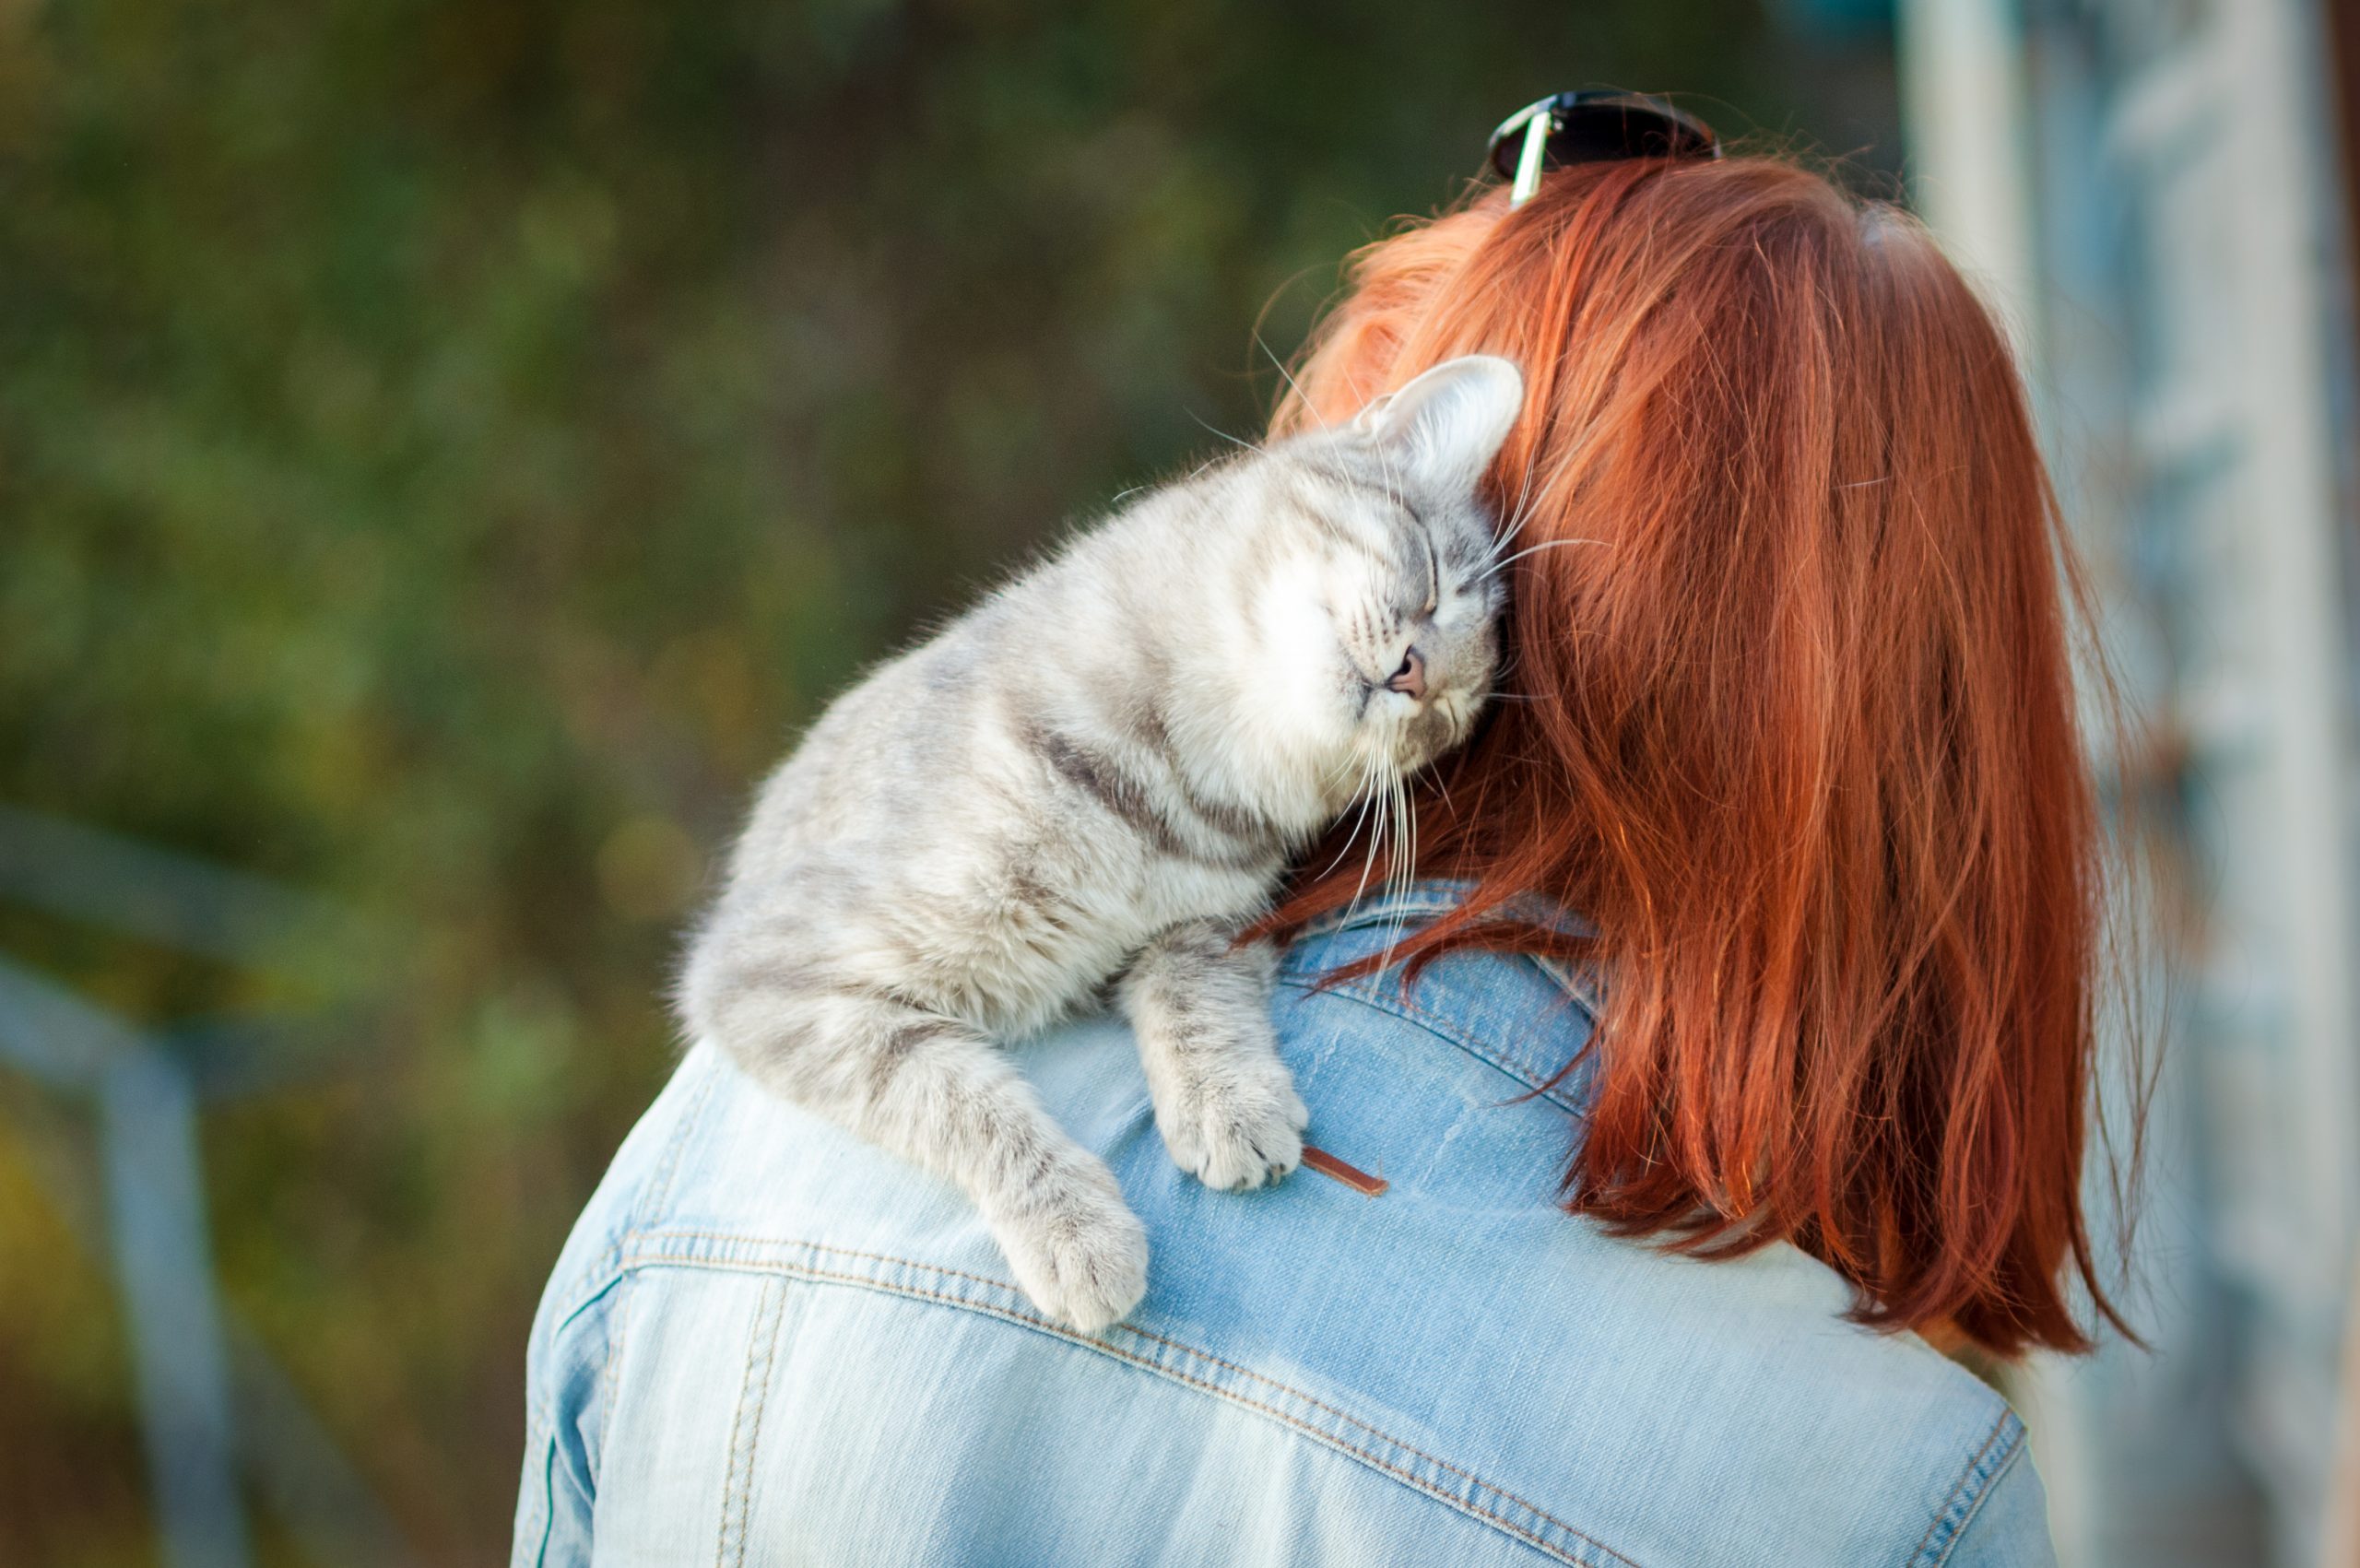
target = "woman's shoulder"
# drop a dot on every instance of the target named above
(1682, 1409)
(1470, 1346)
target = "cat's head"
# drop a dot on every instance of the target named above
(1381, 616)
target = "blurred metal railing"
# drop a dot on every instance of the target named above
(215, 1408)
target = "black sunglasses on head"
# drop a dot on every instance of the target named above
(1596, 125)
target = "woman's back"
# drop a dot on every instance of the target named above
(768, 1343)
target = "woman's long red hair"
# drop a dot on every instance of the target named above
(1798, 730)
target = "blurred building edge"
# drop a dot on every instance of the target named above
(2159, 194)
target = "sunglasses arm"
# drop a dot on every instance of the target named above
(1529, 162)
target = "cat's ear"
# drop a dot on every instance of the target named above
(1447, 426)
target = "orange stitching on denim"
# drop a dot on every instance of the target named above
(1952, 1500)
(1029, 1320)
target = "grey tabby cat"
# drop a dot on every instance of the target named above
(1105, 770)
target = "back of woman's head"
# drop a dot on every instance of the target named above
(1789, 718)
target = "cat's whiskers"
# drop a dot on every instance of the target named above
(1361, 790)
(1233, 441)
(1518, 515)
(1409, 821)
(1292, 386)
(1331, 776)
(1392, 485)
(1378, 785)
(1496, 567)
(1398, 871)
(1444, 790)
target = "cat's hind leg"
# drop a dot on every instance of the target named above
(1224, 1102)
(931, 1089)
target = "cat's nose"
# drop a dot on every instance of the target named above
(1411, 678)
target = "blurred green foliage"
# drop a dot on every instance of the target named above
(444, 449)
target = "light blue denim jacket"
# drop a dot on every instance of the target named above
(767, 1343)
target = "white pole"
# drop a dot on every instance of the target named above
(1964, 105)
(1967, 118)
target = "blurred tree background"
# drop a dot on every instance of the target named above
(445, 450)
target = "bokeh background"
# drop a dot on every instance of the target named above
(446, 449)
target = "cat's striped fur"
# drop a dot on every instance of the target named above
(1102, 771)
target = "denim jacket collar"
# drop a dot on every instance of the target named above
(1527, 1015)
(1417, 904)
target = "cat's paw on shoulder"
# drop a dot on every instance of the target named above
(1237, 1125)
(1079, 1254)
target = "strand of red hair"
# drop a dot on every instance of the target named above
(1789, 720)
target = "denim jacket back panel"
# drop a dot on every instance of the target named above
(769, 1343)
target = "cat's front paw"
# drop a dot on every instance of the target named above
(1235, 1122)
(1078, 1250)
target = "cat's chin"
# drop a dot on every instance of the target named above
(1418, 742)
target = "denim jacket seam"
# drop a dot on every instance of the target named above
(1583, 987)
(1975, 1484)
(1446, 1030)
(1406, 904)
(761, 1350)
(646, 1251)
(605, 1272)
(549, 1500)
(1966, 1522)
(1424, 902)
(657, 1190)
(610, 1272)
(611, 1373)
